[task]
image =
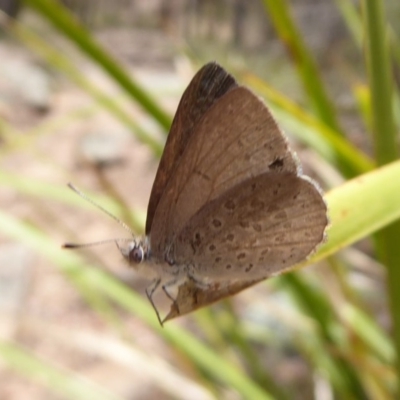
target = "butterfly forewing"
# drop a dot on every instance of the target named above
(207, 86)
(236, 139)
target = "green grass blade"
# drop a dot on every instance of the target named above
(96, 280)
(313, 302)
(67, 24)
(67, 384)
(381, 83)
(354, 23)
(361, 207)
(310, 130)
(350, 222)
(58, 60)
(386, 146)
(352, 19)
(371, 333)
(303, 60)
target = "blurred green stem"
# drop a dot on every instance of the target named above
(385, 144)
(66, 384)
(58, 15)
(308, 71)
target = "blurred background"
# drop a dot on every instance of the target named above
(88, 90)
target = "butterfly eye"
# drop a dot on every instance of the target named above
(136, 255)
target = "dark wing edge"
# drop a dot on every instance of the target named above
(209, 84)
(191, 297)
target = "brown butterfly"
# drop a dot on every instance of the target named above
(229, 205)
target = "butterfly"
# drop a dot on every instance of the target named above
(229, 206)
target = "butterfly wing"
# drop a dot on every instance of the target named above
(261, 228)
(191, 297)
(258, 228)
(207, 86)
(236, 139)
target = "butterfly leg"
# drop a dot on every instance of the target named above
(175, 282)
(197, 282)
(149, 292)
(166, 286)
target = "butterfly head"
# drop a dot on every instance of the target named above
(136, 252)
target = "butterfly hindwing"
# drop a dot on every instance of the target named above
(260, 227)
(191, 297)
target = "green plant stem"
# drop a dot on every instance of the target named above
(315, 304)
(64, 22)
(57, 59)
(308, 71)
(381, 83)
(333, 147)
(233, 330)
(66, 384)
(386, 146)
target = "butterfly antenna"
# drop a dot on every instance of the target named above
(80, 245)
(83, 195)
